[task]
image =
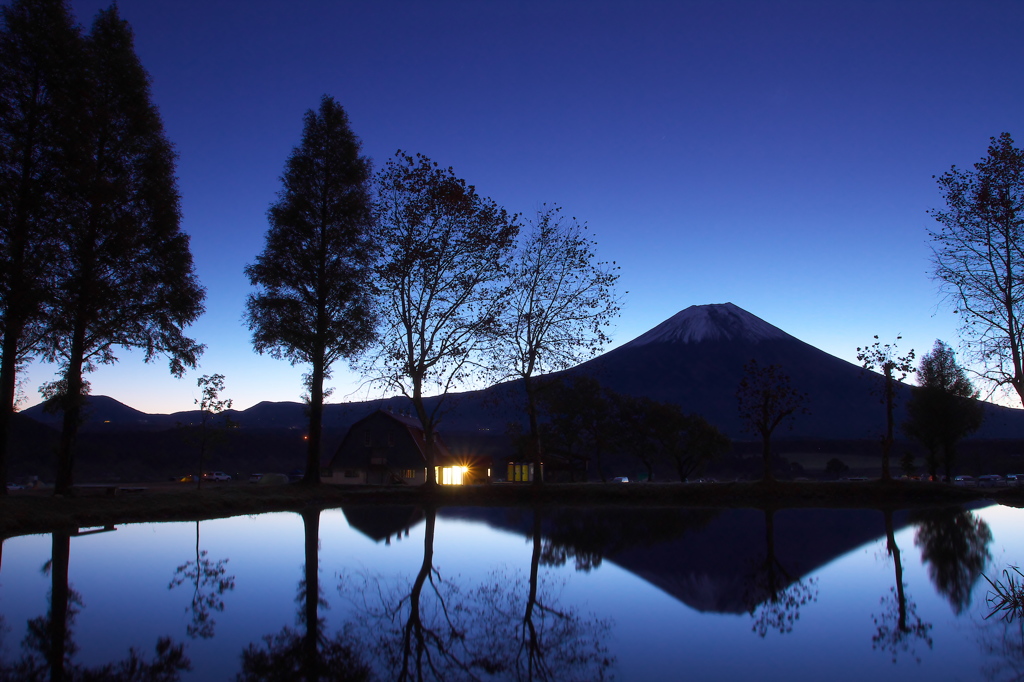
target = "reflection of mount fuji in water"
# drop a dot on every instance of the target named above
(711, 560)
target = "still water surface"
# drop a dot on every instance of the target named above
(507, 594)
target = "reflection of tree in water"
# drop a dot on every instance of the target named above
(774, 599)
(1003, 641)
(210, 581)
(48, 647)
(898, 626)
(310, 654)
(528, 637)
(954, 543)
(501, 629)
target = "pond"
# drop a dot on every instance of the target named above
(384, 593)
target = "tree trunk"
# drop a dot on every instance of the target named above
(887, 441)
(534, 654)
(948, 457)
(535, 444)
(894, 552)
(411, 662)
(59, 609)
(8, 384)
(72, 404)
(310, 652)
(316, 418)
(428, 435)
(766, 455)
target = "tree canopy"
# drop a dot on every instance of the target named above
(40, 60)
(123, 276)
(882, 357)
(560, 301)
(314, 304)
(766, 399)
(944, 409)
(978, 256)
(444, 256)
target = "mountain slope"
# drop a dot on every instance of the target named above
(696, 359)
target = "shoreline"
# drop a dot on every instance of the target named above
(39, 511)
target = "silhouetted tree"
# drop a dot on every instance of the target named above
(634, 428)
(125, 273)
(687, 440)
(883, 358)
(944, 408)
(580, 423)
(558, 306)
(314, 305)
(40, 55)
(978, 256)
(212, 418)
(210, 581)
(767, 399)
(954, 543)
(908, 627)
(836, 467)
(445, 252)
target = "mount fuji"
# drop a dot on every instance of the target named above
(696, 359)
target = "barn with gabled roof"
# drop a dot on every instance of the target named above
(386, 448)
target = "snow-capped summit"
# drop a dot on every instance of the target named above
(714, 322)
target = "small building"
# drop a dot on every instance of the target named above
(385, 448)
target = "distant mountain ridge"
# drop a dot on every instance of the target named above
(695, 359)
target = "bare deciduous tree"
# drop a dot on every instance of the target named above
(444, 254)
(978, 256)
(882, 357)
(560, 302)
(767, 399)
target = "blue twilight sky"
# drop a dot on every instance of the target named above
(778, 155)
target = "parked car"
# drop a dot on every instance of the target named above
(991, 481)
(965, 481)
(216, 476)
(1014, 479)
(255, 478)
(620, 479)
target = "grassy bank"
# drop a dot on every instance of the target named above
(24, 512)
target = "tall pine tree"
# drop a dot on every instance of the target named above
(314, 304)
(126, 277)
(40, 60)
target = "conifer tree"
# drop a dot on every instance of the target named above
(40, 54)
(124, 274)
(314, 305)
